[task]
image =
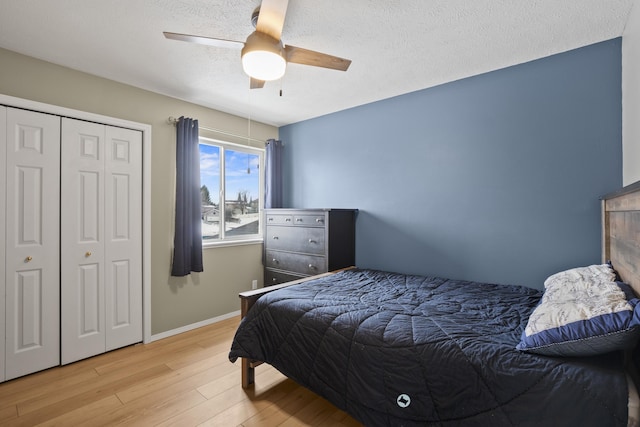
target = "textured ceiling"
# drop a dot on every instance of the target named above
(397, 46)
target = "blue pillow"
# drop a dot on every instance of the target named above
(583, 319)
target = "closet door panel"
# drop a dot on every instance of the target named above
(32, 242)
(3, 195)
(82, 240)
(123, 230)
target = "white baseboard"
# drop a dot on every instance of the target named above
(192, 326)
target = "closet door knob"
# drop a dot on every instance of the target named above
(88, 254)
(28, 259)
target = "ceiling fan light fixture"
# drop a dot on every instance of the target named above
(263, 58)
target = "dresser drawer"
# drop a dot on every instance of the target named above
(307, 240)
(272, 277)
(279, 219)
(309, 220)
(300, 263)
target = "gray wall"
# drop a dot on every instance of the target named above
(492, 178)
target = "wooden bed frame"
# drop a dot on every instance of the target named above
(247, 299)
(621, 233)
(620, 245)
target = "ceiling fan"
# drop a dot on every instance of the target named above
(264, 56)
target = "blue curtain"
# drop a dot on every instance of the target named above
(273, 174)
(187, 244)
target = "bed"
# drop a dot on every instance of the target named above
(395, 349)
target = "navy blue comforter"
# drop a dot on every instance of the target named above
(402, 350)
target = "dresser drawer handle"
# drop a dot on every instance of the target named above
(319, 220)
(312, 241)
(299, 219)
(270, 218)
(275, 261)
(275, 237)
(288, 220)
(312, 267)
(274, 280)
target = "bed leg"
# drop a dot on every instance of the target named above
(248, 373)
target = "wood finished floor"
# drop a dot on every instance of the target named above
(184, 380)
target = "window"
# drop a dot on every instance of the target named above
(231, 190)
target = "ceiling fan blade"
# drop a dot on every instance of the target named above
(209, 41)
(271, 17)
(298, 55)
(256, 84)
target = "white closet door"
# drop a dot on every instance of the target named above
(82, 240)
(101, 238)
(123, 235)
(3, 192)
(32, 242)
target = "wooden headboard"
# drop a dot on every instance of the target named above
(621, 233)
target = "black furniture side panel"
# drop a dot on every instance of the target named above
(342, 235)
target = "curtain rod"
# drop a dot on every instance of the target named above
(173, 121)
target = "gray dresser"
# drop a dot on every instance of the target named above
(303, 242)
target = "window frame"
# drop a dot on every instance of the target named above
(248, 239)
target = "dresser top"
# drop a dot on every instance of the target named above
(272, 210)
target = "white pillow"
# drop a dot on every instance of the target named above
(583, 312)
(582, 277)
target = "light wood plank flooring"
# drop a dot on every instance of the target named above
(184, 380)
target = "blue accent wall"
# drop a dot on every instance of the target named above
(494, 178)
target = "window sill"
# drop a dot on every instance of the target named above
(226, 243)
